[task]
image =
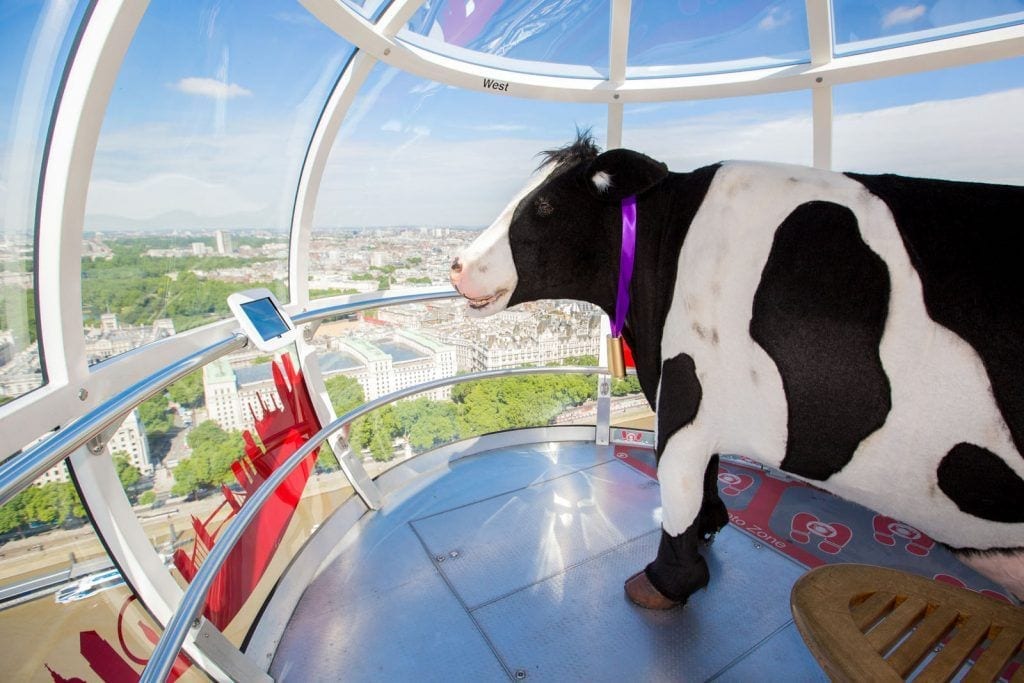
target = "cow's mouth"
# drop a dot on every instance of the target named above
(482, 302)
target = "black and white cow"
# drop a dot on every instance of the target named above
(865, 333)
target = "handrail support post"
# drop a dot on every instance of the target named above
(604, 409)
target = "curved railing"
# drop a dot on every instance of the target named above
(19, 471)
(186, 616)
(91, 430)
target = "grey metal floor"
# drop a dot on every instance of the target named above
(510, 564)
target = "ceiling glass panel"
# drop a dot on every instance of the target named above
(864, 25)
(703, 36)
(974, 131)
(688, 135)
(35, 41)
(196, 167)
(370, 9)
(571, 32)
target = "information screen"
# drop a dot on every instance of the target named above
(265, 318)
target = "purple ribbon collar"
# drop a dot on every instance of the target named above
(625, 264)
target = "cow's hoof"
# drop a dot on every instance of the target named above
(641, 592)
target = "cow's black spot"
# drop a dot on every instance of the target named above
(819, 313)
(981, 484)
(679, 399)
(964, 240)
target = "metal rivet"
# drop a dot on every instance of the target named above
(453, 554)
(758, 546)
(615, 96)
(439, 558)
(520, 674)
(83, 394)
(387, 51)
(819, 79)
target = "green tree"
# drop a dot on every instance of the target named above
(50, 503)
(127, 473)
(68, 503)
(148, 497)
(187, 391)
(344, 393)
(155, 414)
(213, 451)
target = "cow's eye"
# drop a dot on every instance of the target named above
(544, 207)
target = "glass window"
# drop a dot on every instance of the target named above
(864, 25)
(705, 37)
(902, 125)
(35, 41)
(567, 33)
(197, 162)
(687, 135)
(192, 455)
(370, 9)
(417, 169)
(66, 613)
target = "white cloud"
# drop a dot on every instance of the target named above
(212, 88)
(977, 138)
(904, 14)
(425, 180)
(775, 18)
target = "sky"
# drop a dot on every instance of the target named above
(215, 103)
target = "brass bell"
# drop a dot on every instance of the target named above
(616, 359)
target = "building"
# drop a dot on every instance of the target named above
(113, 339)
(220, 391)
(235, 396)
(517, 338)
(130, 438)
(223, 242)
(391, 363)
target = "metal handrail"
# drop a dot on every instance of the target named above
(186, 616)
(356, 306)
(19, 471)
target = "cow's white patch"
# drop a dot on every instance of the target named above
(488, 272)
(941, 395)
(602, 181)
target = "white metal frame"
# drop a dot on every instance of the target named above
(989, 45)
(73, 388)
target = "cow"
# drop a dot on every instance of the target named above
(863, 333)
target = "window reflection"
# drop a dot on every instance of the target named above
(864, 25)
(35, 40)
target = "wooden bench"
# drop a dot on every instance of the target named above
(865, 623)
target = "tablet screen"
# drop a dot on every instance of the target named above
(265, 318)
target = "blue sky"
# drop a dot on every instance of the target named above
(215, 103)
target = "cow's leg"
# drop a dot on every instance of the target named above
(678, 570)
(713, 513)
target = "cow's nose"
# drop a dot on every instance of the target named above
(456, 265)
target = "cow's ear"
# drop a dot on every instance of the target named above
(619, 173)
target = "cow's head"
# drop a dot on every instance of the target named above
(559, 237)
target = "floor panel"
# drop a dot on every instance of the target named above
(510, 565)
